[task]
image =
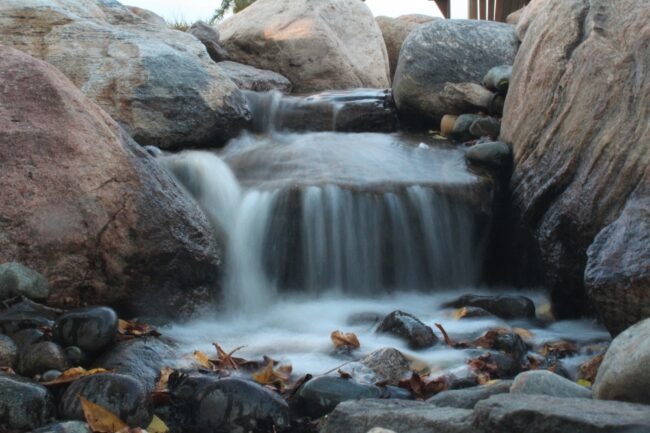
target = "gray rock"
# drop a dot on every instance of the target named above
(388, 363)
(624, 374)
(485, 126)
(147, 15)
(8, 351)
(27, 337)
(472, 313)
(41, 357)
(209, 36)
(16, 279)
(75, 356)
(26, 314)
(468, 397)
(24, 405)
(454, 51)
(398, 415)
(91, 329)
(410, 328)
(547, 383)
(498, 79)
(123, 395)
(321, 395)
(521, 413)
(229, 405)
(492, 154)
(141, 358)
(505, 307)
(65, 427)
(462, 126)
(50, 375)
(259, 80)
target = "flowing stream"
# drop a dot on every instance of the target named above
(326, 230)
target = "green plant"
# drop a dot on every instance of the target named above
(226, 5)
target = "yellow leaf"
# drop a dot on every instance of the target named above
(99, 419)
(584, 382)
(525, 334)
(72, 374)
(345, 340)
(269, 376)
(203, 360)
(157, 426)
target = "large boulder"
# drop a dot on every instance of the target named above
(395, 31)
(577, 118)
(448, 51)
(317, 44)
(24, 405)
(158, 83)
(87, 207)
(623, 374)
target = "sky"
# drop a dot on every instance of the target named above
(194, 10)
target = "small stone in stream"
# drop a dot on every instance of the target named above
(504, 307)
(624, 373)
(498, 79)
(75, 356)
(493, 155)
(16, 279)
(321, 395)
(547, 383)
(123, 395)
(65, 427)
(462, 126)
(50, 375)
(41, 357)
(510, 343)
(485, 127)
(497, 365)
(410, 328)
(468, 397)
(471, 313)
(228, 405)
(91, 329)
(8, 351)
(388, 363)
(27, 337)
(24, 404)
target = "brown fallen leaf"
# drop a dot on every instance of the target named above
(132, 329)
(72, 374)
(203, 360)
(225, 360)
(345, 340)
(589, 369)
(100, 419)
(163, 380)
(422, 388)
(276, 377)
(344, 374)
(559, 349)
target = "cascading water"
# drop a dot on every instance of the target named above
(320, 226)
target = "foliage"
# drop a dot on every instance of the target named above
(179, 24)
(226, 5)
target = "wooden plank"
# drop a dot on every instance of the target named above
(443, 5)
(473, 9)
(498, 13)
(482, 15)
(490, 7)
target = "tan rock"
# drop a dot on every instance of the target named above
(317, 44)
(160, 84)
(577, 117)
(85, 206)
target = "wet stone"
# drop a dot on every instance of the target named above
(125, 396)
(16, 279)
(26, 314)
(504, 307)
(75, 356)
(65, 427)
(493, 155)
(8, 351)
(462, 126)
(41, 357)
(91, 329)
(24, 404)
(468, 397)
(388, 363)
(485, 127)
(547, 383)
(410, 328)
(498, 79)
(27, 337)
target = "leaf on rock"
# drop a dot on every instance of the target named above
(345, 340)
(99, 419)
(276, 377)
(203, 360)
(584, 382)
(421, 388)
(344, 374)
(589, 369)
(225, 360)
(157, 426)
(132, 329)
(525, 334)
(163, 381)
(73, 374)
(559, 349)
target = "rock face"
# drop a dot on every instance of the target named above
(84, 205)
(517, 413)
(259, 80)
(395, 31)
(547, 383)
(24, 405)
(577, 118)
(317, 44)
(623, 374)
(158, 83)
(442, 51)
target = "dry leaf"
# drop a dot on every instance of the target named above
(226, 360)
(344, 374)
(589, 369)
(559, 349)
(202, 359)
(99, 419)
(157, 426)
(161, 385)
(525, 334)
(422, 388)
(72, 374)
(135, 329)
(345, 340)
(276, 377)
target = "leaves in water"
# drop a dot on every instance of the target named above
(73, 374)
(203, 360)
(101, 420)
(345, 340)
(589, 369)
(421, 388)
(157, 426)
(276, 377)
(225, 360)
(559, 349)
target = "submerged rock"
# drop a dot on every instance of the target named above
(41, 357)
(624, 373)
(406, 326)
(8, 351)
(505, 307)
(547, 383)
(123, 395)
(317, 44)
(448, 51)
(24, 405)
(91, 329)
(16, 280)
(397, 415)
(93, 228)
(468, 397)
(259, 80)
(321, 395)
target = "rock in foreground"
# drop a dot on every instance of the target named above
(24, 405)
(160, 84)
(317, 44)
(547, 383)
(87, 207)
